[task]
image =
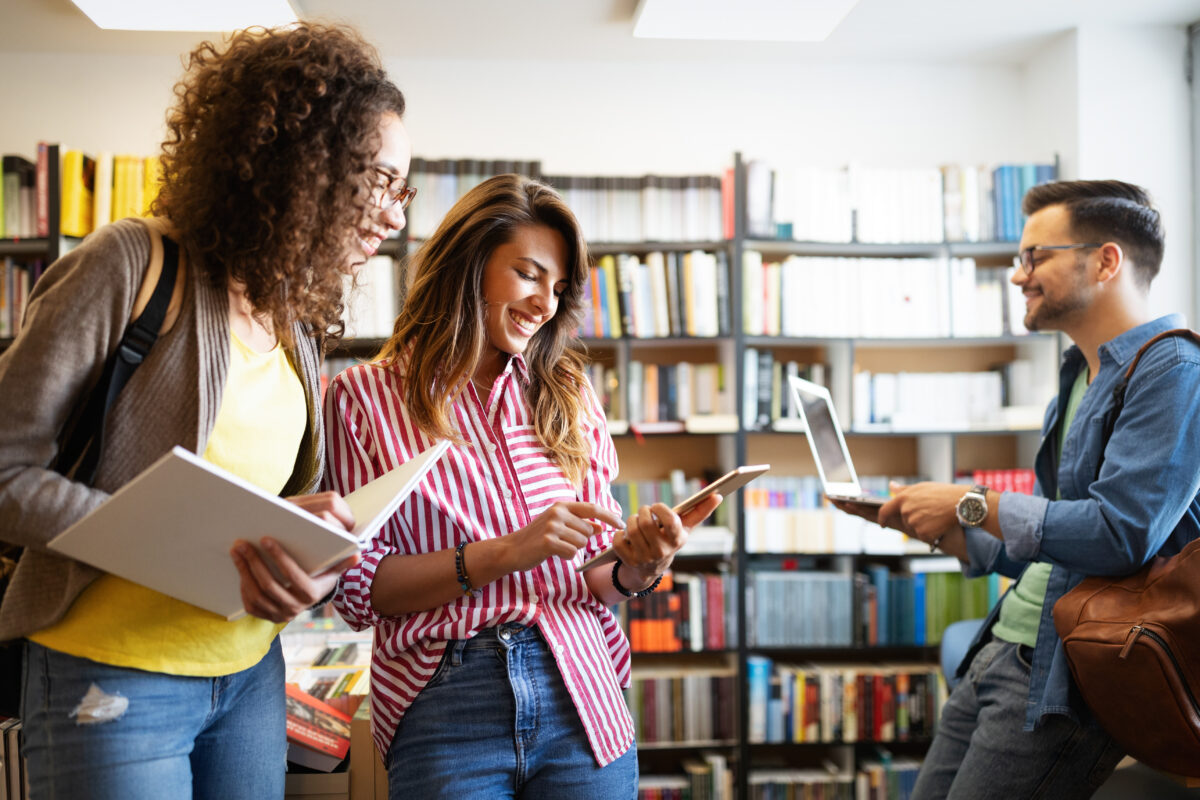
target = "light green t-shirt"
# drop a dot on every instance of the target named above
(1021, 609)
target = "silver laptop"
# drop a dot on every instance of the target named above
(834, 466)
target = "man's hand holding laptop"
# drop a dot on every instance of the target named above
(918, 510)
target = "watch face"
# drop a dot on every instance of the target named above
(972, 509)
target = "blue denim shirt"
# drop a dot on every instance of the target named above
(1145, 502)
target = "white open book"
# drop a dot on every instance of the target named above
(171, 528)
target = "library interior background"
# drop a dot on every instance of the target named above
(843, 209)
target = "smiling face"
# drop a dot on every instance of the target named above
(522, 281)
(391, 163)
(1057, 292)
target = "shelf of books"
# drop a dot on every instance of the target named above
(791, 646)
(330, 750)
(49, 202)
(890, 287)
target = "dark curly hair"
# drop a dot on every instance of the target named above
(268, 164)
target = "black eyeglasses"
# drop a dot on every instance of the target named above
(1025, 259)
(395, 192)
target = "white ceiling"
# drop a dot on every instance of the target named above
(1004, 31)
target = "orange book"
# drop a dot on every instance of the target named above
(318, 734)
(598, 319)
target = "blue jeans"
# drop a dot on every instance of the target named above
(97, 731)
(981, 750)
(495, 721)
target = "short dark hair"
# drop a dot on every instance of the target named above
(1108, 211)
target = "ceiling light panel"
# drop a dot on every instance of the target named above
(743, 20)
(186, 15)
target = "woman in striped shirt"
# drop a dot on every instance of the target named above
(498, 667)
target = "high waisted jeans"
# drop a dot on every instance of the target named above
(101, 732)
(495, 721)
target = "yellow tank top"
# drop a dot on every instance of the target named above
(256, 436)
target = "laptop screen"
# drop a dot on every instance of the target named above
(824, 435)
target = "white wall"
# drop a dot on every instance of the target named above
(631, 119)
(1051, 114)
(1135, 124)
(91, 102)
(601, 118)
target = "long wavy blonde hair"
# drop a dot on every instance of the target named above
(439, 337)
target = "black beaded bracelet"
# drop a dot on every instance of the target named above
(617, 584)
(460, 570)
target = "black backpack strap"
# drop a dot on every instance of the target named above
(1110, 420)
(80, 456)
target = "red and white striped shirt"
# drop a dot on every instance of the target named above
(496, 483)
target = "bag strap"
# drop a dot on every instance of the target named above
(1110, 421)
(80, 455)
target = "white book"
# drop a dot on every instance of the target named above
(753, 305)
(171, 528)
(970, 203)
(656, 267)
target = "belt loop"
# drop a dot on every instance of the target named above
(457, 652)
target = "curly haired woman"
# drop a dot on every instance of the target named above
(498, 666)
(283, 169)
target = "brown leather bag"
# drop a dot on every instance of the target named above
(1133, 644)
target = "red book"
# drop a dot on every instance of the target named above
(714, 613)
(318, 734)
(727, 202)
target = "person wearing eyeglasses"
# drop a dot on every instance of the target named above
(283, 170)
(1014, 726)
(498, 666)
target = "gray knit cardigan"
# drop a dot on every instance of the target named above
(75, 318)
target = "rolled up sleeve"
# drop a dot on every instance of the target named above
(1023, 519)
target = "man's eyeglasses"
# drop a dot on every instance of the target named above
(1025, 259)
(395, 191)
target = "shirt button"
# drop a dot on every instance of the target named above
(507, 493)
(559, 649)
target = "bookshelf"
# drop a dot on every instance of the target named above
(695, 743)
(923, 447)
(719, 741)
(934, 446)
(33, 236)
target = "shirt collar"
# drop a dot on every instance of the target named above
(518, 367)
(1120, 349)
(1123, 348)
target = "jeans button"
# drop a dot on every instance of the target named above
(505, 634)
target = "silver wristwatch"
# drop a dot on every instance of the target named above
(972, 509)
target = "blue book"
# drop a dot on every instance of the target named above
(998, 203)
(1015, 197)
(918, 616)
(1027, 179)
(879, 577)
(902, 622)
(602, 289)
(758, 689)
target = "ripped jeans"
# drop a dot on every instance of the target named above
(102, 732)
